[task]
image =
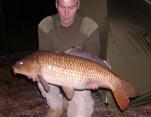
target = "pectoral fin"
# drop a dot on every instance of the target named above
(69, 92)
(44, 83)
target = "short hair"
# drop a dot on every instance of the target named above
(58, 0)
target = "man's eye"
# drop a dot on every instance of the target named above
(61, 7)
(72, 7)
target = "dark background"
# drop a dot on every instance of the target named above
(18, 23)
(19, 20)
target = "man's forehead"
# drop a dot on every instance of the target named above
(67, 1)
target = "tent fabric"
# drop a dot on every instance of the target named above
(129, 45)
(125, 40)
(130, 59)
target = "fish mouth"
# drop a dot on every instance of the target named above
(13, 69)
(13, 72)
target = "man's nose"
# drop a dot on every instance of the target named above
(66, 11)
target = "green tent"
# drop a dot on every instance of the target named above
(125, 40)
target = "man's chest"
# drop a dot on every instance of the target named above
(64, 39)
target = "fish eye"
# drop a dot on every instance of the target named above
(20, 62)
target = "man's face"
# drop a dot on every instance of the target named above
(67, 10)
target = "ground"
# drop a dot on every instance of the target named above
(20, 97)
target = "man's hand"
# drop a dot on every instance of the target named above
(34, 78)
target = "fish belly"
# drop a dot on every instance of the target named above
(64, 77)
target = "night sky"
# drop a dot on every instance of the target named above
(19, 20)
(28, 9)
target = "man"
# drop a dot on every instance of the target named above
(59, 33)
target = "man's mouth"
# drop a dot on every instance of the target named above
(67, 19)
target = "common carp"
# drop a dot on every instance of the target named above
(73, 72)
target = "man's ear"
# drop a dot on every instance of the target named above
(56, 3)
(78, 4)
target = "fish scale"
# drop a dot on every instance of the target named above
(69, 67)
(79, 71)
(72, 72)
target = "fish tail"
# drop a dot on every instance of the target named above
(130, 89)
(122, 92)
(121, 98)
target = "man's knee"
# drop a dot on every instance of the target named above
(81, 105)
(54, 98)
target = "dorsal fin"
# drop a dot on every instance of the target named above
(79, 53)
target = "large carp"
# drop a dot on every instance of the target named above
(72, 72)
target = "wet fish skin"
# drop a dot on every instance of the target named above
(75, 72)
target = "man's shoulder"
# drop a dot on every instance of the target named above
(47, 23)
(88, 20)
(88, 26)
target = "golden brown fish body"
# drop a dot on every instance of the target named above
(75, 73)
(70, 71)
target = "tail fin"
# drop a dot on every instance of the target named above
(123, 92)
(130, 90)
(121, 98)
